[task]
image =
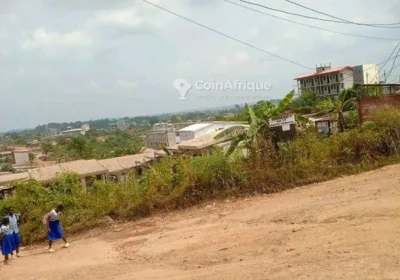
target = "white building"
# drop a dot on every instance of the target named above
(366, 74)
(198, 129)
(74, 132)
(327, 81)
(85, 127)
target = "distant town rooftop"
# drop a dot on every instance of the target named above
(327, 71)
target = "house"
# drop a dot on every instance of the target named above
(86, 169)
(326, 81)
(6, 188)
(119, 168)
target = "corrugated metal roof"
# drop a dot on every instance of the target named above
(45, 174)
(327, 71)
(195, 127)
(205, 140)
(112, 164)
(82, 167)
(11, 177)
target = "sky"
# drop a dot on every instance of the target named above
(76, 60)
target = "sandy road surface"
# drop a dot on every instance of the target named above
(348, 228)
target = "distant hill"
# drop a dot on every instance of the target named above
(138, 120)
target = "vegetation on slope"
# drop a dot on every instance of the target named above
(180, 182)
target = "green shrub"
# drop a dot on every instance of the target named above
(180, 182)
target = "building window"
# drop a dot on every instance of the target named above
(342, 86)
(341, 76)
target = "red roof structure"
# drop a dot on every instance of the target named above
(327, 71)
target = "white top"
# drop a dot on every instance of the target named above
(54, 216)
(5, 230)
(14, 222)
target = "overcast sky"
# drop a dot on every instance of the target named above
(69, 60)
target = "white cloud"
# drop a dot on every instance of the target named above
(41, 39)
(3, 33)
(254, 32)
(21, 70)
(242, 56)
(128, 18)
(93, 85)
(234, 59)
(126, 84)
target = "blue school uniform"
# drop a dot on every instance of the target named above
(15, 230)
(55, 226)
(7, 245)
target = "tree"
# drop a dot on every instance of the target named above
(306, 103)
(258, 125)
(339, 104)
(46, 147)
(80, 147)
(31, 158)
(175, 119)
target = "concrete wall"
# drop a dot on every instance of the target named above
(162, 137)
(186, 135)
(21, 158)
(348, 79)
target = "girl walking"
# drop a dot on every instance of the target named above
(54, 230)
(14, 227)
(7, 242)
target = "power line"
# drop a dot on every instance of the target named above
(331, 16)
(394, 61)
(310, 26)
(309, 17)
(226, 36)
(390, 58)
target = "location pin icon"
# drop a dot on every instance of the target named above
(183, 88)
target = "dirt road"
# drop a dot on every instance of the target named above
(348, 228)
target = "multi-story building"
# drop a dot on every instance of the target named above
(330, 81)
(366, 74)
(327, 80)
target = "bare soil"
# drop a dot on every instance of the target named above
(348, 228)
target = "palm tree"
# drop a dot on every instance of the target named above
(344, 101)
(258, 122)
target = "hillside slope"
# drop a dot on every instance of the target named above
(348, 228)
